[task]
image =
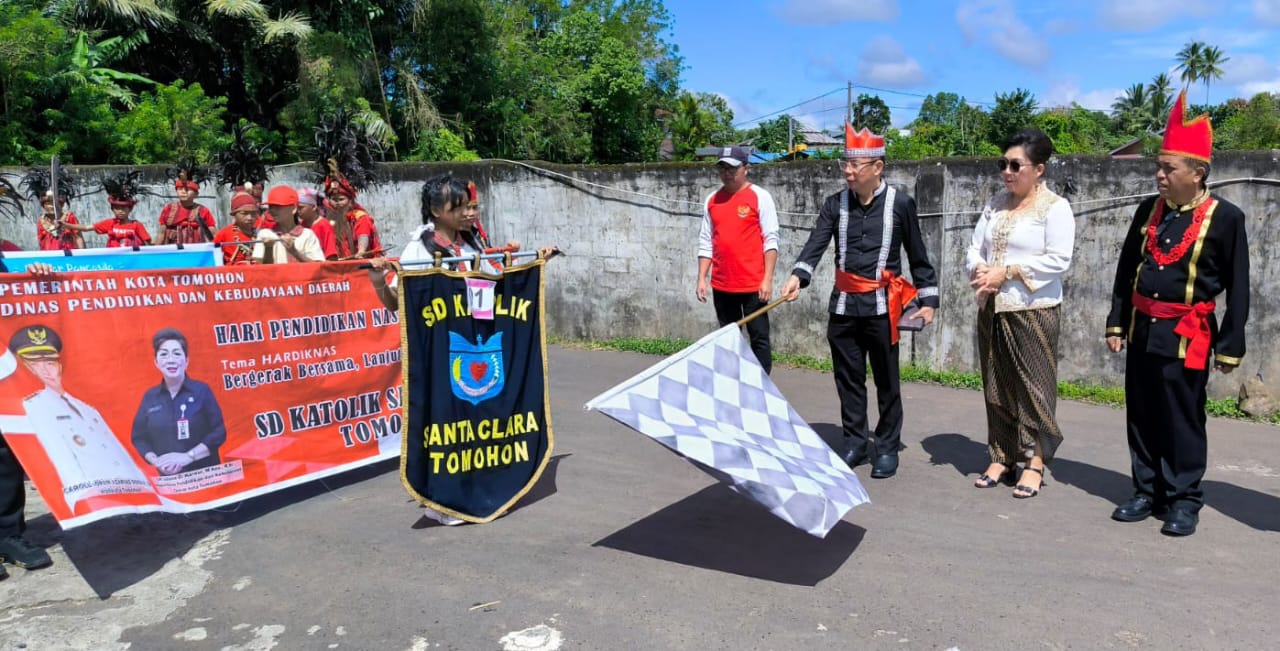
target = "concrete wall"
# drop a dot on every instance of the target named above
(630, 234)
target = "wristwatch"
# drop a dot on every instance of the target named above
(1008, 272)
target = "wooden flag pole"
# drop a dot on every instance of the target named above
(778, 301)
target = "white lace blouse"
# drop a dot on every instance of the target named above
(1038, 239)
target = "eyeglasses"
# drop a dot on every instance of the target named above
(1014, 165)
(855, 164)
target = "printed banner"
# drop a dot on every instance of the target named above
(168, 256)
(182, 390)
(713, 404)
(479, 421)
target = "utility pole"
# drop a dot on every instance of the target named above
(791, 138)
(848, 104)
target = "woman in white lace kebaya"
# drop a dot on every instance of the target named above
(1021, 249)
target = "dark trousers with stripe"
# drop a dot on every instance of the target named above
(1164, 410)
(13, 494)
(733, 306)
(855, 341)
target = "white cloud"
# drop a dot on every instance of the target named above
(834, 12)
(1065, 92)
(1146, 15)
(1267, 11)
(1251, 74)
(996, 24)
(1244, 68)
(884, 63)
(1264, 86)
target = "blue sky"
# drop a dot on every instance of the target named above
(765, 55)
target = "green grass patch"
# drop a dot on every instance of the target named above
(1099, 395)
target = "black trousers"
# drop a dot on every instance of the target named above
(855, 340)
(733, 306)
(1164, 412)
(13, 494)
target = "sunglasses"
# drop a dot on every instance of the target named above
(1014, 165)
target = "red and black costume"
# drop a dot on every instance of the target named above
(181, 224)
(1175, 262)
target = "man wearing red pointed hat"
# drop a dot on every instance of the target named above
(871, 224)
(738, 248)
(1184, 248)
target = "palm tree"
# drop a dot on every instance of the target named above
(1211, 59)
(1159, 101)
(1131, 109)
(1191, 62)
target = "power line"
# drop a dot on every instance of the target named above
(779, 111)
(903, 92)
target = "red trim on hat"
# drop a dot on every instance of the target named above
(189, 185)
(117, 201)
(1189, 138)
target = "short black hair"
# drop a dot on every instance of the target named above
(1036, 143)
(1193, 163)
(443, 191)
(168, 334)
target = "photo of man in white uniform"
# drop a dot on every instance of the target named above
(88, 457)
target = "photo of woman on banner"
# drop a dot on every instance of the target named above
(89, 459)
(179, 425)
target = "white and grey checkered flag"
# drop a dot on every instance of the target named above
(713, 404)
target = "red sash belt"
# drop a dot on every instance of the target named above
(1193, 323)
(900, 293)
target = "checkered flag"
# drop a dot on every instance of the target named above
(713, 404)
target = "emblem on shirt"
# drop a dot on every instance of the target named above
(475, 370)
(743, 211)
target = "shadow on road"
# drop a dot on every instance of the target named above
(1249, 507)
(967, 456)
(116, 553)
(717, 529)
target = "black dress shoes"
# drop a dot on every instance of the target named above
(852, 456)
(1137, 509)
(1180, 522)
(886, 465)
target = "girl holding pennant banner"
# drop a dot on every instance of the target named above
(474, 357)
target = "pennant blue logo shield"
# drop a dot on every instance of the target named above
(475, 370)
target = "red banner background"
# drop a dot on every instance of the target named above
(302, 359)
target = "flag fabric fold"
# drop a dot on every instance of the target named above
(713, 404)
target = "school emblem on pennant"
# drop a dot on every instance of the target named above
(475, 370)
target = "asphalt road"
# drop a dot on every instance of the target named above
(622, 545)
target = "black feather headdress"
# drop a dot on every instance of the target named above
(244, 163)
(124, 188)
(188, 172)
(10, 200)
(36, 183)
(346, 155)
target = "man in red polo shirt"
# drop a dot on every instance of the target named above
(737, 248)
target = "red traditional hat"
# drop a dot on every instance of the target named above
(1190, 138)
(862, 144)
(473, 194)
